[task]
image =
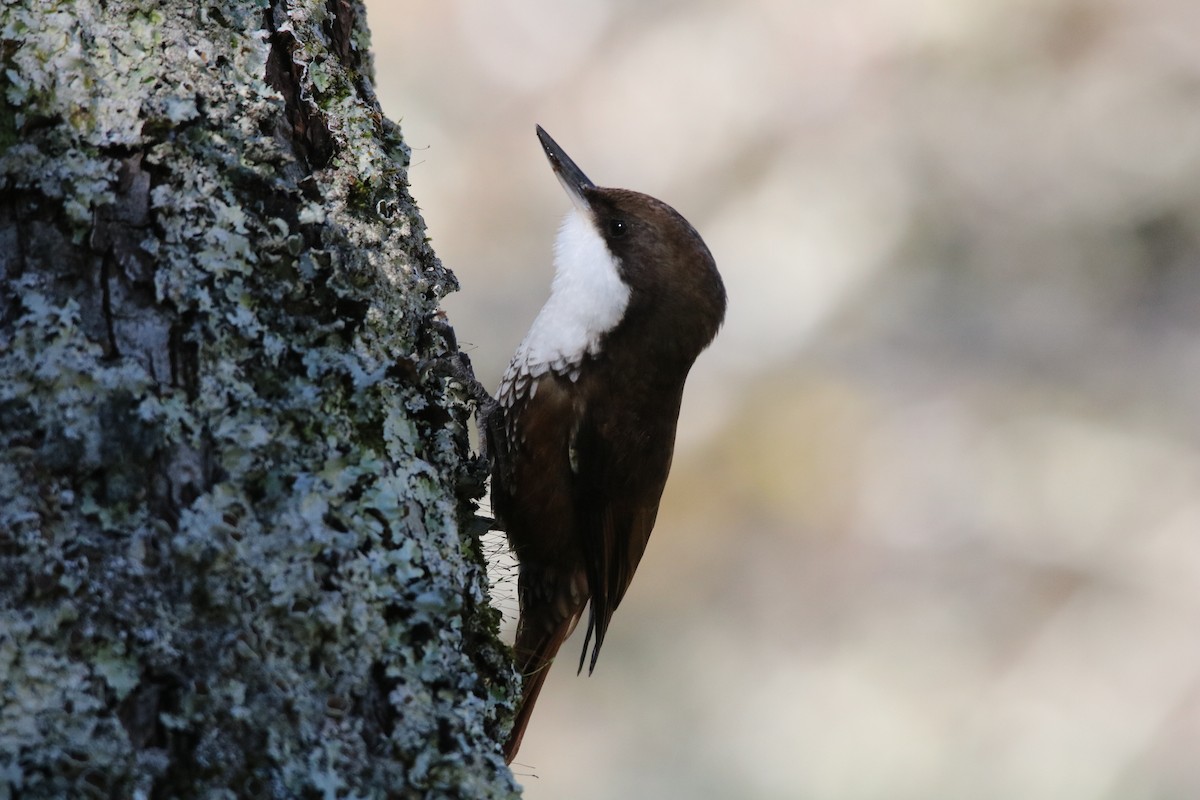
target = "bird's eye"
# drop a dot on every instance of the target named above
(616, 228)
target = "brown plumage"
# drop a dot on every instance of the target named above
(584, 430)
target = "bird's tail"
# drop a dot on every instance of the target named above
(535, 649)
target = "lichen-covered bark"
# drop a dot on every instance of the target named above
(232, 491)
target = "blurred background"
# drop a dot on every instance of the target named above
(933, 529)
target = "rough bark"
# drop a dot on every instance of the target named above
(234, 551)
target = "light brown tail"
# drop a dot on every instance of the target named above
(535, 651)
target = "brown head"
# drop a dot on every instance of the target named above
(676, 298)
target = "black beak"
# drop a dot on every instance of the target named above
(569, 175)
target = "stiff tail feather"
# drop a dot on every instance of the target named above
(536, 654)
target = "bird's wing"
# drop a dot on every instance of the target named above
(615, 498)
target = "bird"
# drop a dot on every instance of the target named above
(582, 432)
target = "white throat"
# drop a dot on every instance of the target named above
(587, 299)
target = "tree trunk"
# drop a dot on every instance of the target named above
(235, 557)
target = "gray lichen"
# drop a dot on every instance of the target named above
(232, 559)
